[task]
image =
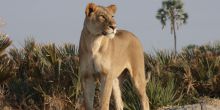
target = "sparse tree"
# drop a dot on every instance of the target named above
(173, 11)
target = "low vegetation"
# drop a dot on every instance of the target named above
(45, 76)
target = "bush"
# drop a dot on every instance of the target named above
(45, 76)
(5, 72)
(43, 72)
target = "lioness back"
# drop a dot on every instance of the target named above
(127, 37)
(128, 45)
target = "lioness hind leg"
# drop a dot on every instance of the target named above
(117, 94)
(140, 84)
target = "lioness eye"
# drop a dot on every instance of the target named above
(101, 18)
(113, 16)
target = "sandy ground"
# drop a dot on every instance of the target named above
(205, 103)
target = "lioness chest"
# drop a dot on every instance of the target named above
(97, 60)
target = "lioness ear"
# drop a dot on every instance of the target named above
(112, 8)
(90, 8)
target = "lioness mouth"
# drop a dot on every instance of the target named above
(106, 33)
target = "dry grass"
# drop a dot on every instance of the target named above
(46, 77)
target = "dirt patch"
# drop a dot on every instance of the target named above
(210, 101)
(205, 103)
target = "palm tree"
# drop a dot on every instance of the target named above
(172, 10)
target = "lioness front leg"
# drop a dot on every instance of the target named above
(106, 90)
(88, 83)
(117, 94)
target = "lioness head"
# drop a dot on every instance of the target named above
(100, 20)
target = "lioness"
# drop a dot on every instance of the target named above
(104, 54)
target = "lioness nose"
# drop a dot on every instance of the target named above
(112, 26)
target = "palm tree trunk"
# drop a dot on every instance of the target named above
(175, 39)
(174, 35)
(173, 29)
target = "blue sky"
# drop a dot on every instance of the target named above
(61, 21)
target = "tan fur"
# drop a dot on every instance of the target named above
(104, 54)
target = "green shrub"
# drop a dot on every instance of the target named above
(44, 72)
(46, 76)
